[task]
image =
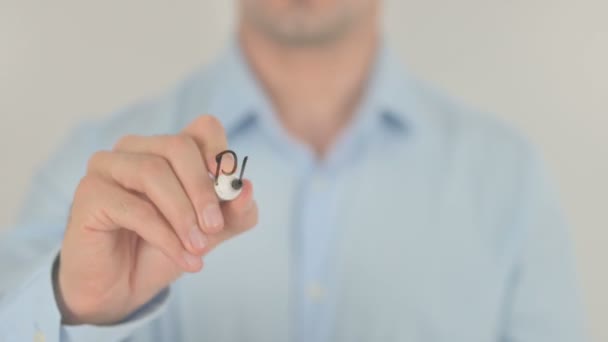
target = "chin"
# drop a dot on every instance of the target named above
(298, 22)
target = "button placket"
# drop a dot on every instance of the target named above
(39, 337)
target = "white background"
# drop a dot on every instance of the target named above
(540, 64)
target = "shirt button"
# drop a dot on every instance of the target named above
(39, 337)
(315, 292)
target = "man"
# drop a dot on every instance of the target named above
(386, 211)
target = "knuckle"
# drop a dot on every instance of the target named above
(88, 185)
(210, 122)
(142, 210)
(153, 166)
(177, 144)
(96, 160)
(86, 196)
(124, 141)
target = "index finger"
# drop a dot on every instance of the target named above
(209, 134)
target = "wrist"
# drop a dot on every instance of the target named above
(67, 317)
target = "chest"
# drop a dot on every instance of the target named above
(404, 247)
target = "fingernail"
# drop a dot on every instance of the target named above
(197, 239)
(212, 217)
(227, 161)
(190, 259)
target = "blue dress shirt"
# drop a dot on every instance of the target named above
(425, 222)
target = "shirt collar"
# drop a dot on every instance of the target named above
(239, 100)
(388, 99)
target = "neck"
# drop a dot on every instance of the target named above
(314, 89)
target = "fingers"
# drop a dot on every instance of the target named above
(241, 214)
(210, 136)
(171, 171)
(237, 210)
(184, 157)
(126, 210)
(153, 177)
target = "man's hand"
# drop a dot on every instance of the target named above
(143, 214)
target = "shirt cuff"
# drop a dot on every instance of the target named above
(31, 313)
(122, 330)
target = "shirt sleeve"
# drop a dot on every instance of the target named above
(28, 309)
(543, 302)
(122, 330)
(30, 313)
